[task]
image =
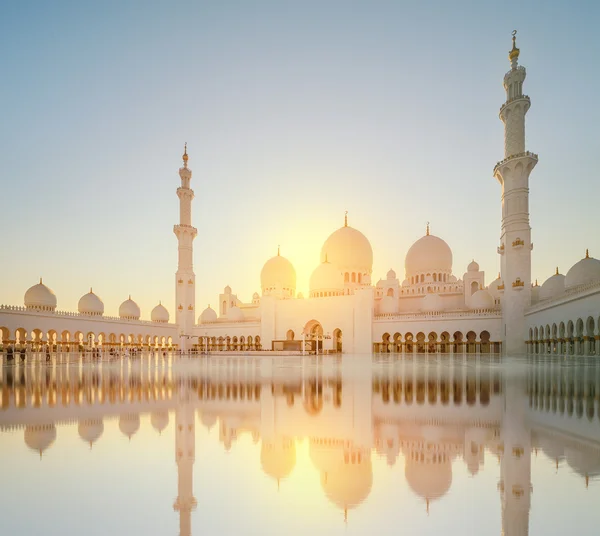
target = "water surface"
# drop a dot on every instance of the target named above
(298, 446)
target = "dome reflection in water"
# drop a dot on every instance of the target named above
(328, 446)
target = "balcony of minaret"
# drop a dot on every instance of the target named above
(501, 249)
(515, 99)
(518, 284)
(525, 154)
(518, 243)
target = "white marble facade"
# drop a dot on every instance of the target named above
(430, 309)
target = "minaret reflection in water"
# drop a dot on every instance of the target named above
(430, 414)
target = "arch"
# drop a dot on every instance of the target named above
(420, 342)
(471, 344)
(346, 277)
(408, 342)
(337, 340)
(390, 292)
(289, 336)
(474, 287)
(484, 344)
(445, 342)
(354, 277)
(432, 342)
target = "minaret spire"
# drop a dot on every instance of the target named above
(513, 55)
(346, 219)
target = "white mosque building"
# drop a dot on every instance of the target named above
(432, 309)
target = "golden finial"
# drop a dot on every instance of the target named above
(278, 248)
(40, 280)
(514, 53)
(427, 231)
(326, 258)
(130, 296)
(91, 292)
(498, 275)
(346, 219)
(587, 253)
(556, 271)
(185, 155)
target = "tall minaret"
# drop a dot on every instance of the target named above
(185, 454)
(515, 236)
(185, 279)
(515, 485)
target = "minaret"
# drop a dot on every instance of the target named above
(515, 486)
(515, 237)
(185, 279)
(185, 455)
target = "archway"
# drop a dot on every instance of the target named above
(313, 331)
(337, 340)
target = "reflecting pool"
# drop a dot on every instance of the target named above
(224, 445)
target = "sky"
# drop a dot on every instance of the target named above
(294, 112)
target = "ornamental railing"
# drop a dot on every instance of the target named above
(514, 156)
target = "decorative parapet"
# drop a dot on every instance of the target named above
(501, 287)
(432, 315)
(508, 102)
(516, 69)
(518, 284)
(69, 314)
(513, 157)
(501, 249)
(567, 295)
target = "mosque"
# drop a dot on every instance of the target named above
(435, 307)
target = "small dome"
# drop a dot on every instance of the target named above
(391, 275)
(235, 314)
(40, 297)
(473, 266)
(227, 290)
(90, 430)
(129, 424)
(40, 437)
(255, 296)
(208, 419)
(348, 484)
(326, 277)
(348, 250)
(428, 254)
(159, 420)
(482, 299)
(207, 316)
(277, 273)
(159, 314)
(90, 304)
(431, 302)
(388, 305)
(129, 310)
(406, 283)
(427, 479)
(585, 271)
(278, 459)
(553, 286)
(493, 287)
(582, 461)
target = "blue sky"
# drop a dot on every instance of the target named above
(293, 112)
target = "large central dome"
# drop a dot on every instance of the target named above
(428, 254)
(348, 250)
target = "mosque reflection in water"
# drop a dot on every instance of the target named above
(433, 414)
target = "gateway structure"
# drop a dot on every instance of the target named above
(432, 309)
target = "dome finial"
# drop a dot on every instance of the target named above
(185, 155)
(130, 296)
(346, 219)
(40, 280)
(427, 231)
(587, 253)
(278, 250)
(513, 55)
(326, 258)
(91, 292)
(556, 271)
